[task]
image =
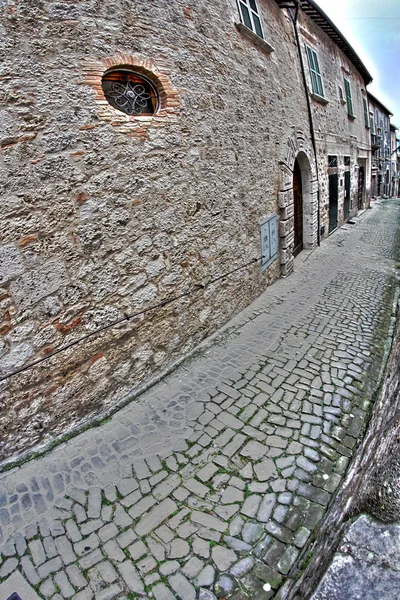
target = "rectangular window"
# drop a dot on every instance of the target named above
(366, 117)
(332, 161)
(347, 161)
(249, 16)
(315, 73)
(372, 123)
(348, 97)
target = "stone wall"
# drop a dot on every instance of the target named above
(337, 133)
(104, 214)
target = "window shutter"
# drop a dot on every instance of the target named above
(348, 97)
(315, 74)
(366, 119)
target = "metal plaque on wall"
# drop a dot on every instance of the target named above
(269, 240)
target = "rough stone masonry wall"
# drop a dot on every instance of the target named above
(336, 133)
(102, 215)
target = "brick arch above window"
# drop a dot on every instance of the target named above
(135, 125)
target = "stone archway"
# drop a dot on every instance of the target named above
(297, 168)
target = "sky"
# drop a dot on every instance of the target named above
(372, 27)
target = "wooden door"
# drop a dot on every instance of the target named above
(298, 209)
(333, 201)
(346, 206)
(360, 188)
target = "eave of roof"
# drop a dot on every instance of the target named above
(310, 8)
(376, 101)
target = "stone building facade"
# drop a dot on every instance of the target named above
(106, 213)
(380, 147)
(340, 119)
(394, 171)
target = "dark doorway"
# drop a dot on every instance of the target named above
(346, 205)
(360, 193)
(298, 209)
(333, 201)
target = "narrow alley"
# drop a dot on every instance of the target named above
(212, 482)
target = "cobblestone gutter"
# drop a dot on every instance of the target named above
(215, 482)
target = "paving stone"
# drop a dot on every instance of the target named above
(265, 470)
(242, 567)
(206, 595)
(225, 586)
(131, 577)
(254, 450)
(137, 550)
(287, 559)
(266, 508)
(94, 503)
(182, 587)
(252, 532)
(141, 507)
(146, 564)
(178, 549)
(75, 576)
(8, 567)
(164, 489)
(162, 592)
(201, 547)
(169, 567)
(37, 552)
(196, 487)
(155, 517)
(51, 566)
(113, 550)
(231, 495)
(66, 589)
(236, 544)
(107, 532)
(47, 588)
(126, 537)
(91, 559)
(192, 567)
(223, 558)
(251, 505)
(208, 521)
(86, 594)
(206, 577)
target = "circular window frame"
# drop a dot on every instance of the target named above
(138, 73)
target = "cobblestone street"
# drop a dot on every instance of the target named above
(212, 482)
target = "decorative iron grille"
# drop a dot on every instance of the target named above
(130, 92)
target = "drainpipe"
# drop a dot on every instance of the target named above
(310, 117)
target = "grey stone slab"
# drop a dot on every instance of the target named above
(155, 517)
(182, 587)
(266, 507)
(131, 577)
(162, 592)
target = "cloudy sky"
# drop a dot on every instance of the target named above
(372, 27)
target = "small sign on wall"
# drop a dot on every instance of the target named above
(269, 241)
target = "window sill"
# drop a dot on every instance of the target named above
(253, 37)
(319, 98)
(351, 117)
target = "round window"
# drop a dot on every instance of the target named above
(130, 92)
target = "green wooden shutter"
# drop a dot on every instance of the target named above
(366, 117)
(315, 73)
(348, 97)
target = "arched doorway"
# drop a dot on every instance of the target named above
(298, 209)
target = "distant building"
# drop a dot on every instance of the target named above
(380, 147)
(394, 171)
